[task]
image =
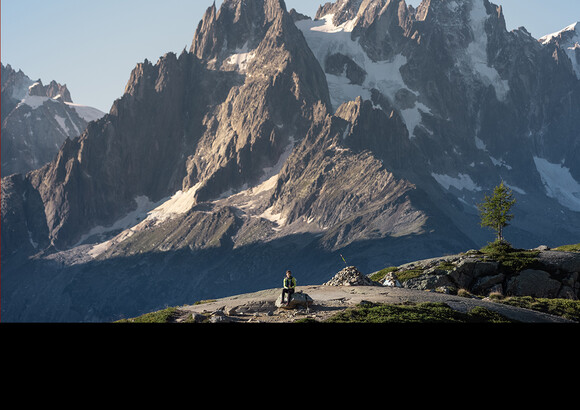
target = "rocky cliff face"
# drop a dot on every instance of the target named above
(36, 120)
(540, 273)
(278, 141)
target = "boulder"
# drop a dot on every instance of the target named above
(430, 281)
(536, 283)
(299, 298)
(469, 269)
(391, 280)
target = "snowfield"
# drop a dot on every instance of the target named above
(559, 183)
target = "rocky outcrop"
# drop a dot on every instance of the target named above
(543, 274)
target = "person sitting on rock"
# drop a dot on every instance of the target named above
(289, 286)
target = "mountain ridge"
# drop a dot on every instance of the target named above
(36, 120)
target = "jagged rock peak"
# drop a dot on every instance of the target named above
(343, 10)
(362, 12)
(296, 16)
(568, 33)
(52, 90)
(566, 41)
(237, 25)
(432, 8)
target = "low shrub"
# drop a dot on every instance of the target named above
(569, 248)
(427, 312)
(160, 316)
(380, 275)
(405, 275)
(511, 259)
(566, 308)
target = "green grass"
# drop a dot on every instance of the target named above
(448, 266)
(405, 275)
(427, 312)
(566, 308)
(568, 248)
(513, 260)
(167, 315)
(380, 275)
(161, 316)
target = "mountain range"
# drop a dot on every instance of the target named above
(367, 134)
(36, 120)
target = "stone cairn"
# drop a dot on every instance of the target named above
(350, 276)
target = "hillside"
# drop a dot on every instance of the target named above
(433, 285)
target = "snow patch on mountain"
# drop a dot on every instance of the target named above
(143, 208)
(87, 113)
(62, 124)
(241, 58)
(559, 183)
(480, 144)
(500, 163)
(328, 26)
(179, 203)
(571, 28)
(34, 101)
(147, 214)
(477, 52)
(515, 188)
(461, 182)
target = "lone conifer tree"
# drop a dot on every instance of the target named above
(494, 210)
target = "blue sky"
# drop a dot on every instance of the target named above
(92, 46)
